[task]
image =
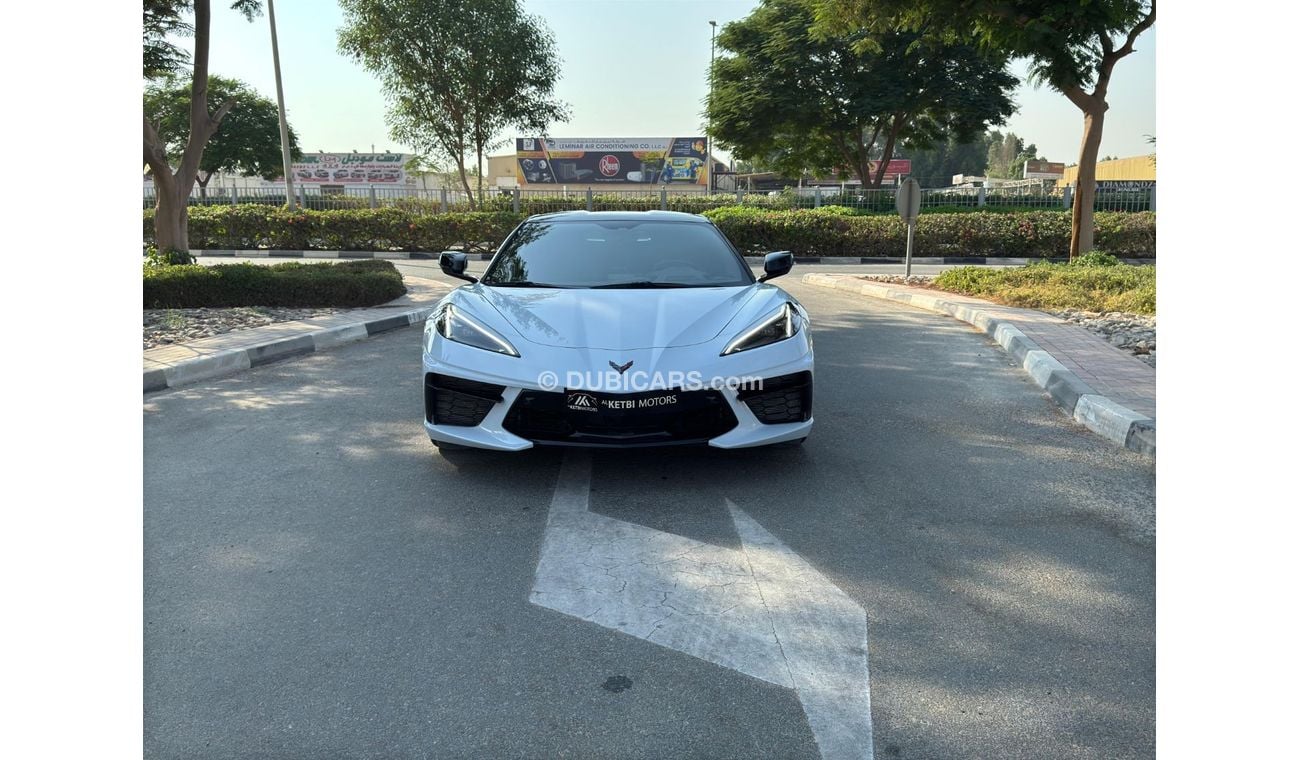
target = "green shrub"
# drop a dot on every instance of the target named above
(650, 201)
(1095, 259)
(834, 211)
(1031, 234)
(1044, 285)
(292, 284)
(156, 258)
(389, 228)
(827, 231)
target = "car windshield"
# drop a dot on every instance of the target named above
(617, 254)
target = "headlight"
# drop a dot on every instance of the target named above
(454, 324)
(781, 324)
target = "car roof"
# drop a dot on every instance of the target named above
(621, 216)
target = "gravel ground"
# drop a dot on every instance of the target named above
(919, 280)
(167, 326)
(1134, 333)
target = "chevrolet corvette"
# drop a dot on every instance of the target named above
(617, 329)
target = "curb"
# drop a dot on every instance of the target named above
(264, 253)
(1114, 422)
(239, 359)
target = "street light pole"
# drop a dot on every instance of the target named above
(279, 96)
(708, 157)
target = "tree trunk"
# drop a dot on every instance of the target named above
(480, 172)
(888, 152)
(464, 181)
(170, 218)
(1085, 192)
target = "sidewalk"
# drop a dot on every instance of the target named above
(1111, 392)
(182, 363)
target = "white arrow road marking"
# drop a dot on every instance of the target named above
(762, 610)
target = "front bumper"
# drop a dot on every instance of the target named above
(505, 408)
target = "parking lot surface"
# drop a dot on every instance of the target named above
(321, 582)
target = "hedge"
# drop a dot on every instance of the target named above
(292, 284)
(384, 229)
(1030, 234)
(827, 231)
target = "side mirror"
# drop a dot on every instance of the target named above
(776, 264)
(454, 264)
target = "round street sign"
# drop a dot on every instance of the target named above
(908, 200)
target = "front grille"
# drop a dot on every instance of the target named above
(456, 401)
(787, 398)
(545, 417)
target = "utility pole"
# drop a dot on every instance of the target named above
(279, 96)
(708, 151)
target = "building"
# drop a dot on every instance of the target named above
(1132, 169)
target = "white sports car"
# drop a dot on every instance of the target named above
(617, 329)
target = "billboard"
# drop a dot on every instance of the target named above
(898, 167)
(636, 160)
(1035, 169)
(350, 169)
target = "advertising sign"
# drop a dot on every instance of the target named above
(1043, 170)
(351, 169)
(897, 167)
(636, 160)
(1120, 185)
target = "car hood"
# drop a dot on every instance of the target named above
(621, 319)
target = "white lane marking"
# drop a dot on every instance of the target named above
(762, 611)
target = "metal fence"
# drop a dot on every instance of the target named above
(1021, 196)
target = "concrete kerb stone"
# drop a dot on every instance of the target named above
(205, 367)
(235, 360)
(338, 336)
(1142, 437)
(284, 348)
(1040, 365)
(1111, 420)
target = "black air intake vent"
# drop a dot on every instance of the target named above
(787, 398)
(456, 401)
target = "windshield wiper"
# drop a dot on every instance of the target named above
(524, 284)
(642, 284)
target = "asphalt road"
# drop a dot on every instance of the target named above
(320, 582)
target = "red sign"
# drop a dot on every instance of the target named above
(609, 165)
(896, 167)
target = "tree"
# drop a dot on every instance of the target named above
(831, 105)
(937, 165)
(246, 142)
(163, 17)
(456, 72)
(1008, 154)
(443, 173)
(1003, 150)
(1030, 153)
(1072, 47)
